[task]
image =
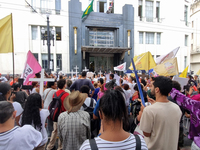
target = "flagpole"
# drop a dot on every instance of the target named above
(13, 57)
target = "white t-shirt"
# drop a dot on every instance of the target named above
(49, 97)
(17, 106)
(127, 96)
(131, 86)
(20, 138)
(162, 121)
(128, 144)
(87, 103)
(44, 113)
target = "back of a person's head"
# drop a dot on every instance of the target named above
(69, 83)
(83, 74)
(85, 89)
(50, 83)
(113, 106)
(34, 83)
(126, 87)
(31, 112)
(16, 86)
(101, 80)
(61, 77)
(136, 87)
(95, 84)
(176, 85)
(4, 89)
(38, 75)
(112, 76)
(143, 82)
(61, 83)
(164, 84)
(6, 111)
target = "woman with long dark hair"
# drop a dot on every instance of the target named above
(5, 94)
(113, 114)
(35, 115)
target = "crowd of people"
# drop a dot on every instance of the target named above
(99, 112)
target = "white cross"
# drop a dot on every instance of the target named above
(41, 80)
(76, 70)
(72, 73)
(85, 69)
(100, 72)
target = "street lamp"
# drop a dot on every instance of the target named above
(48, 37)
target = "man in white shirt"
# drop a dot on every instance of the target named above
(47, 98)
(11, 137)
(3, 79)
(160, 121)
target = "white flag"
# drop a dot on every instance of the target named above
(170, 55)
(121, 67)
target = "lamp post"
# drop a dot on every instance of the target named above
(48, 37)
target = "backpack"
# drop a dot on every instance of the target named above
(55, 107)
(90, 108)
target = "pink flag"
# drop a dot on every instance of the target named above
(31, 68)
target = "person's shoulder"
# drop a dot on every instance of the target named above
(45, 111)
(85, 145)
(83, 113)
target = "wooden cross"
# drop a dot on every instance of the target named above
(76, 70)
(100, 73)
(86, 69)
(72, 73)
(41, 80)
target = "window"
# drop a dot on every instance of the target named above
(57, 6)
(185, 61)
(58, 33)
(192, 24)
(192, 36)
(46, 6)
(102, 6)
(149, 38)
(186, 15)
(158, 38)
(33, 4)
(191, 47)
(50, 28)
(140, 37)
(140, 9)
(158, 11)
(59, 61)
(101, 38)
(36, 56)
(149, 11)
(45, 61)
(186, 40)
(34, 32)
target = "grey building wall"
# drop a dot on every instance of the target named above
(119, 22)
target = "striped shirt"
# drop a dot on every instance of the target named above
(128, 144)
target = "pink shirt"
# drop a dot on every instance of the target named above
(100, 94)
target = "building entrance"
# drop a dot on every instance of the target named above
(103, 63)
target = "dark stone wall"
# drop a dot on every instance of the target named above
(119, 22)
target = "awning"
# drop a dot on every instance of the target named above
(93, 49)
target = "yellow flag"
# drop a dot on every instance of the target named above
(184, 73)
(198, 73)
(6, 35)
(167, 68)
(144, 61)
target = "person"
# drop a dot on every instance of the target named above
(3, 79)
(112, 111)
(21, 96)
(191, 80)
(47, 98)
(95, 79)
(160, 121)
(15, 137)
(96, 91)
(69, 83)
(61, 90)
(192, 106)
(196, 79)
(74, 124)
(80, 82)
(35, 115)
(87, 102)
(101, 86)
(35, 88)
(194, 97)
(144, 92)
(5, 93)
(127, 92)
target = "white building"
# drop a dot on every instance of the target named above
(195, 36)
(160, 26)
